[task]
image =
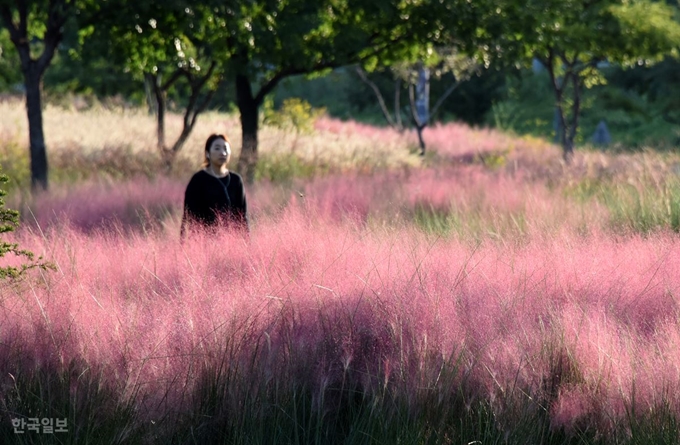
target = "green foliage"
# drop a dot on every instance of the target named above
(281, 168)
(641, 206)
(9, 220)
(15, 164)
(629, 104)
(573, 39)
(645, 208)
(10, 72)
(295, 115)
(494, 160)
(433, 220)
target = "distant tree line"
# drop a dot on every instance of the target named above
(205, 52)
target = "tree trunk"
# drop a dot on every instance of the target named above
(421, 141)
(397, 105)
(568, 150)
(39, 169)
(562, 132)
(159, 98)
(150, 96)
(575, 113)
(378, 96)
(33, 69)
(248, 108)
(566, 138)
(417, 115)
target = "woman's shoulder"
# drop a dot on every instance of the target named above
(199, 175)
(235, 177)
(198, 178)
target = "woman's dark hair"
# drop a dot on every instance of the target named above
(212, 138)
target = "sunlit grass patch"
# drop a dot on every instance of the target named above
(639, 205)
(327, 331)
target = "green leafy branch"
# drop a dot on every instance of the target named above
(9, 221)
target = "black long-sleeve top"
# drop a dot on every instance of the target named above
(209, 200)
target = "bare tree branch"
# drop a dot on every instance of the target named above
(443, 97)
(6, 15)
(58, 12)
(397, 103)
(194, 108)
(414, 112)
(381, 100)
(173, 78)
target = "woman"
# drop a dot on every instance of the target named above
(215, 197)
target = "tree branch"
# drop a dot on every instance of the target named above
(443, 97)
(378, 94)
(323, 64)
(397, 103)
(196, 87)
(18, 32)
(173, 78)
(414, 112)
(193, 110)
(558, 89)
(23, 20)
(58, 11)
(6, 15)
(290, 71)
(551, 72)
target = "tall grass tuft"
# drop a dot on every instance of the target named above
(326, 331)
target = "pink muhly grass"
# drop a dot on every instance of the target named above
(460, 139)
(451, 139)
(572, 322)
(340, 127)
(471, 201)
(98, 205)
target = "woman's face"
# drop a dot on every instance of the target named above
(220, 152)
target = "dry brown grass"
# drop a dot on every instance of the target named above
(133, 131)
(121, 142)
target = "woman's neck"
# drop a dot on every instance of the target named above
(219, 171)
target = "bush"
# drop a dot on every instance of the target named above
(9, 220)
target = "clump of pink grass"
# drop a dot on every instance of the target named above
(584, 328)
(450, 139)
(106, 204)
(481, 201)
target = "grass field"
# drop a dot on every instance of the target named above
(486, 293)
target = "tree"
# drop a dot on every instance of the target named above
(162, 43)
(256, 44)
(269, 40)
(573, 39)
(36, 28)
(417, 77)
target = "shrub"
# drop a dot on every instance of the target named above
(9, 220)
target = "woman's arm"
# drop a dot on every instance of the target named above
(241, 207)
(193, 205)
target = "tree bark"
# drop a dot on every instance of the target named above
(421, 141)
(559, 86)
(248, 108)
(575, 113)
(159, 98)
(397, 104)
(194, 108)
(420, 126)
(33, 71)
(38, 152)
(381, 101)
